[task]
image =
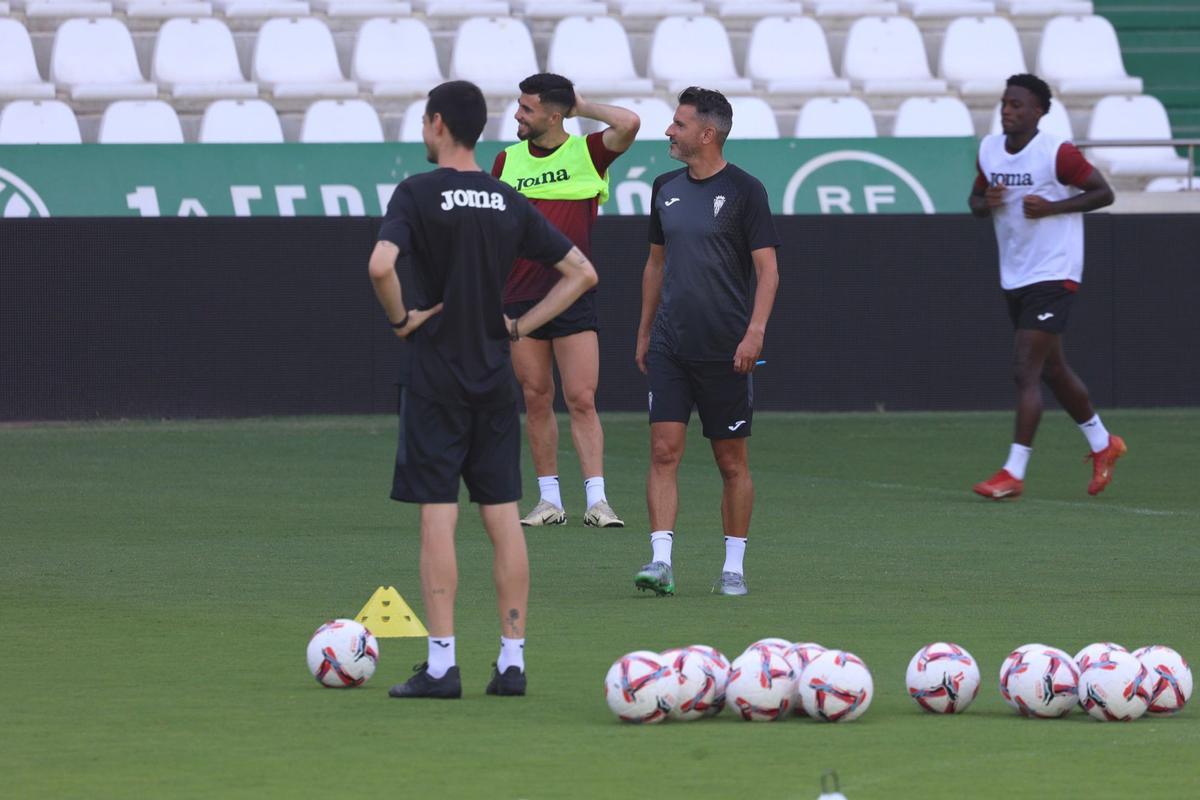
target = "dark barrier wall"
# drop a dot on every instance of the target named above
(230, 317)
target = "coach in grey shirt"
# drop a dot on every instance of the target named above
(700, 332)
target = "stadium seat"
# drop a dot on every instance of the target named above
(1043, 8)
(1056, 121)
(395, 58)
(507, 130)
(410, 122)
(296, 58)
(1140, 117)
(19, 76)
(197, 58)
(789, 55)
(240, 122)
(851, 8)
(1081, 56)
(753, 118)
(978, 56)
(476, 45)
(234, 9)
(38, 122)
(656, 116)
(655, 8)
(461, 8)
(362, 8)
(941, 9)
(595, 52)
(1174, 185)
(933, 116)
(886, 56)
(66, 9)
(140, 122)
(835, 118)
(754, 8)
(163, 9)
(93, 59)
(557, 9)
(341, 121)
(673, 56)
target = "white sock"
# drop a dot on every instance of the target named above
(548, 484)
(660, 541)
(1096, 433)
(595, 490)
(1018, 460)
(441, 655)
(512, 654)
(735, 551)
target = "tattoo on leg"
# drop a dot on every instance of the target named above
(514, 623)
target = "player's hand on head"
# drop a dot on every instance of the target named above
(416, 318)
(573, 111)
(1036, 206)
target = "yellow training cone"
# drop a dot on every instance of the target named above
(388, 616)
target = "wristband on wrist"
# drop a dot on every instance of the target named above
(401, 323)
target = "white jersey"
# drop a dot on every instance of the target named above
(1032, 250)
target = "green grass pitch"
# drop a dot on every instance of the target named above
(159, 582)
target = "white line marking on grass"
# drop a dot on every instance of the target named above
(1146, 512)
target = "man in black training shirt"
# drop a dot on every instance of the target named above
(700, 334)
(458, 413)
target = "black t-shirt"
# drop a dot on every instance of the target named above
(709, 228)
(464, 231)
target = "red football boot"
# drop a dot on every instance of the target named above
(1000, 486)
(1103, 463)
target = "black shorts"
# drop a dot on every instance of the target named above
(724, 398)
(1041, 306)
(580, 316)
(441, 443)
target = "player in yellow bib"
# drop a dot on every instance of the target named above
(566, 179)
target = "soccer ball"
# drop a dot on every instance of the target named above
(638, 687)
(943, 678)
(836, 686)
(1097, 651)
(1170, 676)
(342, 653)
(1042, 682)
(760, 685)
(1115, 688)
(700, 675)
(773, 642)
(799, 656)
(1007, 665)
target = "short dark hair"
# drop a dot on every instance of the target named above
(712, 107)
(1038, 87)
(551, 89)
(463, 110)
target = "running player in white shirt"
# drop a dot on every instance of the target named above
(1036, 187)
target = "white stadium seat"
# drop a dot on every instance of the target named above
(1057, 121)
(461, 8)
(656, 116)
(197, 58)
(296, 58)
(476, 45)
(942, 9)
(1140, 117)
(362, 8)
(507, 131)
(674, 60)
(933, 116)
(851, 8)
(594, 52)
(755, 8)
(654, 8)
(240, 122)
(1081, 56)
(19, 76)
(835, 118)
(234, 9)
(979, 54)
(1174, 185)
(789, 55)
(1043, 8)
(395, 58)
(556, 9)
(38, 122)
(753, 118)
(93, 59)
(140, 122)
(341, 121)
(886, 55)
(163, 9)
(410, 123)
(63, 9)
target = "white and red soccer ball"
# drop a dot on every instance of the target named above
(799, 656)
(1115, 688)
(1171, 679)
(1097, 651)
(342, 654)
(700, 674)
(1040, 681)
(639, 687)
(836, 686)
(943, 678)
(761, 683)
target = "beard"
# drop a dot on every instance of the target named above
(680, 152)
